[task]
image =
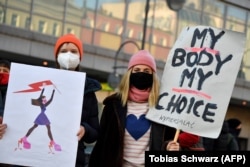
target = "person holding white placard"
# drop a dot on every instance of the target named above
(126, 133)
(4, 79)
(68, 52)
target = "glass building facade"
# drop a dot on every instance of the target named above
(109, 23)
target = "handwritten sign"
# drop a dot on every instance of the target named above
(43, 110)
(198, 80)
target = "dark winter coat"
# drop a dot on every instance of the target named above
(225, 141)
(3, 91)
(108, 150)
(89, 118)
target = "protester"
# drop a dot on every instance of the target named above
(224, 142)
(125, 132)
(235, 127)
(68, 52)
(4, 79)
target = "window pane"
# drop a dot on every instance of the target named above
(42, 26)
(234, 26)
(53, 9)
(213, 21)
(246, 58)
(56, 29)
(15, 20)
(236, 14)
(109, 23)
(75, 11)
(2, 3)
(71, 28)
(214, 7)
(193, 4)
(248, 22)
(27, 23)
(2, 11)
(17, 12)
(246, 64)
(46, 26)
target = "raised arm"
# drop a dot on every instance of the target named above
(51, 98)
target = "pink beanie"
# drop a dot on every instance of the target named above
(142, 57)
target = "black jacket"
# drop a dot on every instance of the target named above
(89, 118)
(108, 150)
(224, 142)
(3, 91)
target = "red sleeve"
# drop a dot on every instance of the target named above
(187, 140)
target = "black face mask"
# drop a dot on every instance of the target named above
(141, 80)
(237, 132)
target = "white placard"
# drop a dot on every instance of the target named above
(23, 110)
(198, 80)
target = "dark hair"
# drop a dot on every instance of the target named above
(233, 123)
(5, 63)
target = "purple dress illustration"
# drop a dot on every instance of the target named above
(41, 120)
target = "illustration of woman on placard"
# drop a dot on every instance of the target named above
(41, 120)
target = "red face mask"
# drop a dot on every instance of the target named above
(4, 78)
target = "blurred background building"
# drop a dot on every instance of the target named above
(112, 30)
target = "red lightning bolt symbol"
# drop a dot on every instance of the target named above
(36, 86)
